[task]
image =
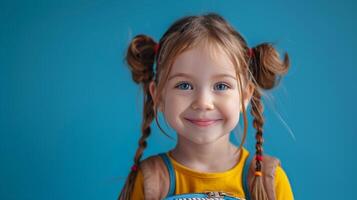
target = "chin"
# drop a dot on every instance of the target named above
(203, 140)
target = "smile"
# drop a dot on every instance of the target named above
(203, 123)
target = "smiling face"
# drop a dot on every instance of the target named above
(201, 99)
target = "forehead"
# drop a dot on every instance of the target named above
(202, 60)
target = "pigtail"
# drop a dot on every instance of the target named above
(266, 66)
(140, 58)
(267, 69)
(258, 191)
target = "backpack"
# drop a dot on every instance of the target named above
(159, 180)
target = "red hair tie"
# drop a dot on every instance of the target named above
(134, 168)
(260, 158)
(156, 48)
(250, 52)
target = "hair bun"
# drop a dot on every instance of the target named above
(140, 58)
(267, 68)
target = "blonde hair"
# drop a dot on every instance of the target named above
(263, 69)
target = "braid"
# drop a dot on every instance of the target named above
(258, 192)
(256, 111)
(266, 69)
(140, 58)
(148, 116)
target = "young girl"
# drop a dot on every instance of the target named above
(201, 75)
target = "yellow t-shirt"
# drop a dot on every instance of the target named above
(190, 181)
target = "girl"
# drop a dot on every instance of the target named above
(205, 76)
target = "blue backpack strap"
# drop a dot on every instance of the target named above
(245, 176)
(172, 177)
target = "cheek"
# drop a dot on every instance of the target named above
(175, 101)
(174, 106)
(231, 108)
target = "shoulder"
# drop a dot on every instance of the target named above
(149, 179)
(282, 185)
(268, 159)
(138, 190)
(155, 177)
(152, 164)
(277, 178)
(271, 160)
(269, 164)
(280, 173)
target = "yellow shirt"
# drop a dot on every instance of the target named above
(189, 181)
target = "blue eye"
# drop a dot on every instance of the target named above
(224, 86)
(183, 84)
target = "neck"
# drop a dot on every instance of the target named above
(217, 156)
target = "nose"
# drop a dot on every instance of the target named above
(203, 100)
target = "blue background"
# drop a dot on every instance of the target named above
(70, 114)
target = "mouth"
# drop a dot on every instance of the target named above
(203, 122)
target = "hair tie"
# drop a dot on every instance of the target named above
(260, 158)
(250, 52)
(134, 168)
(258, 173)
(156, 48)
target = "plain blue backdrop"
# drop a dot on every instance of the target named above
(70, 113)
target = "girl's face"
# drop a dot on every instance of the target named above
(201, 100)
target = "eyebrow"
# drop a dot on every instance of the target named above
(189, 76)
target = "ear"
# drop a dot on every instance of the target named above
(152, 89)
(248, 93)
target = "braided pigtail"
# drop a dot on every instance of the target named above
(140, 58)
(267, 69)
